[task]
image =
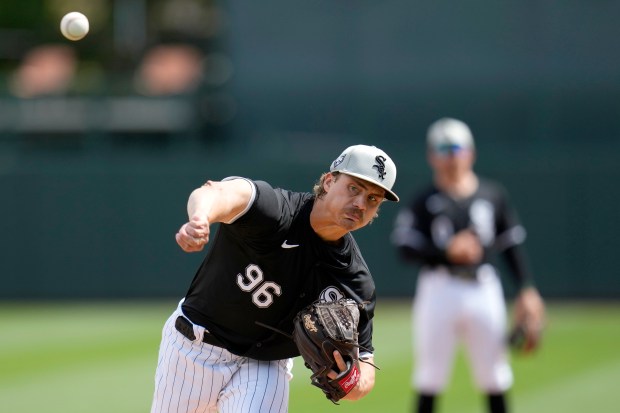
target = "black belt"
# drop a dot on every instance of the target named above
(462, 272)
(185, 327)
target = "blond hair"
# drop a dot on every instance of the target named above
(318, 189)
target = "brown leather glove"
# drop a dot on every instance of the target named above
(529, 321)
(321, 328)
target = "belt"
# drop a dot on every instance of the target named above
(464, 273)
(461, 272)
(185, 327)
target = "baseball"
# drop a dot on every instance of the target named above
(74, 25)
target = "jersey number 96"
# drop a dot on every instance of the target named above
(262, 292)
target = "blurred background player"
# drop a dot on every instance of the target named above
(452, 230)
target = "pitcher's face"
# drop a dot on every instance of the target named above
(352, 202)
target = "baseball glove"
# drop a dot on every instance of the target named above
(321, 328)
(527, 331)
(524, 338)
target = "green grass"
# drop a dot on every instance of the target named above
(101, 357)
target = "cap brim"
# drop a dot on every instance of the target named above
(389, 194)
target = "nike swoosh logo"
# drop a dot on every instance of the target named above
(286, 245)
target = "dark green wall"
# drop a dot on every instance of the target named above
(94, 214)
(99, 221)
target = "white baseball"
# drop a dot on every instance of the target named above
(74, 25)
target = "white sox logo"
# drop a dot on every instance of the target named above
(338, 161)
(330, 294)
(380, 166)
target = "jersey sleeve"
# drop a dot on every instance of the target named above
(347, 275)
(268, 217)
(510, 238)
(360, 286)
(411, 235)
(366, 328)
(250, 202)
(263, 214)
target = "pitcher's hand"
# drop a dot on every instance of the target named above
(193, 235)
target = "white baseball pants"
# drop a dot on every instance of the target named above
(196, 377)
(447, 311)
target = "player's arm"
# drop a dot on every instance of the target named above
(411, 241)
(215, 201)
(529, 306)
(510, 238)
(366, 382)
(367, 376)
(529, 309)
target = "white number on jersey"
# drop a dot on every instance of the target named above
(263, 293)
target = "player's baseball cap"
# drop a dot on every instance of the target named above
(370, 164)
(448, 135)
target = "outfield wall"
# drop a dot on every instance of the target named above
(99, 221)
(91, 202)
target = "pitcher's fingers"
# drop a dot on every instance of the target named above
(197, 230)
(181, 241)
(189, 244)
(342, 366)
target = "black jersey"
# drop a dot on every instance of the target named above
(266, 266)
(423, 229)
